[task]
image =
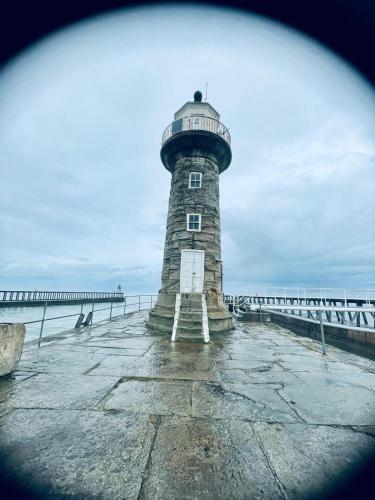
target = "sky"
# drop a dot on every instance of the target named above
(84, 195)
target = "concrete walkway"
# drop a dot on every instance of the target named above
(114, 412)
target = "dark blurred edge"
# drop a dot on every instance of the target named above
(15, 483)
(345, 26)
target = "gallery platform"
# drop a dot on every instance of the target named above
(114, 411)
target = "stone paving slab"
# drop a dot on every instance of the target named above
(60, 361)
(208, 459)
(331, 403)
(69, 391)
(151, 397)
(113, 411)
(259, 377)
(341, 378)
(318, 363)
(120, 365)
(308, 455)
(241, 401)
(268, 353)
(256, 365)
(198, 350)
(126, 343)
(118, 351)
(183, 367)
(87, 454)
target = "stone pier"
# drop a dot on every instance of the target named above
(114, 411)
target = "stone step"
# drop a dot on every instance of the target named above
(190, 338)
(186, 310)
(192, 299)
(191, 305)
(191, 315)
(189, 327)
(189, 330)
(194, 296)
(194, 325)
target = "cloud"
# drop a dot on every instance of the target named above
(85, 196)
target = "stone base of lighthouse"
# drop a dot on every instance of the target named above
(161, 317)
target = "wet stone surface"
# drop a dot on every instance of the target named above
(152, 397)
(115, 411)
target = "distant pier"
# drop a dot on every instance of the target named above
(20, 298)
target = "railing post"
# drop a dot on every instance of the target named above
(150, 301)
(110, 313)
(42, 324)
(322, 333)
(92, 312)
(124, 305)
(139, 302)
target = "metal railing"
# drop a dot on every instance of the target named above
(196, 123)
(304, 292)
(140, 300)
(337, 310)
(338, 316)
(23, 295)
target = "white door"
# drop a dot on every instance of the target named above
(192, 271)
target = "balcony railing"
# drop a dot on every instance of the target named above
(196, 123)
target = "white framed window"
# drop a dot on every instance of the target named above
(193, 222)
(195, 180)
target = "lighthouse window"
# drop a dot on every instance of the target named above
(195, 180)
(193, 222)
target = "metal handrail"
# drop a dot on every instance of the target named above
(192, 122)
(336, 315)
(316, 319)
(126, 304)
(42, 295)
(324, 293)
(318, 309)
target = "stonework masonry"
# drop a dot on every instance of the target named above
(204, 201)
(12, 336)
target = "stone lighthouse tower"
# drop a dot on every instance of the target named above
(195, 149)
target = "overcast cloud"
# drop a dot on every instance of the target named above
(84, 195)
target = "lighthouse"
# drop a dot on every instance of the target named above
(195, 150)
